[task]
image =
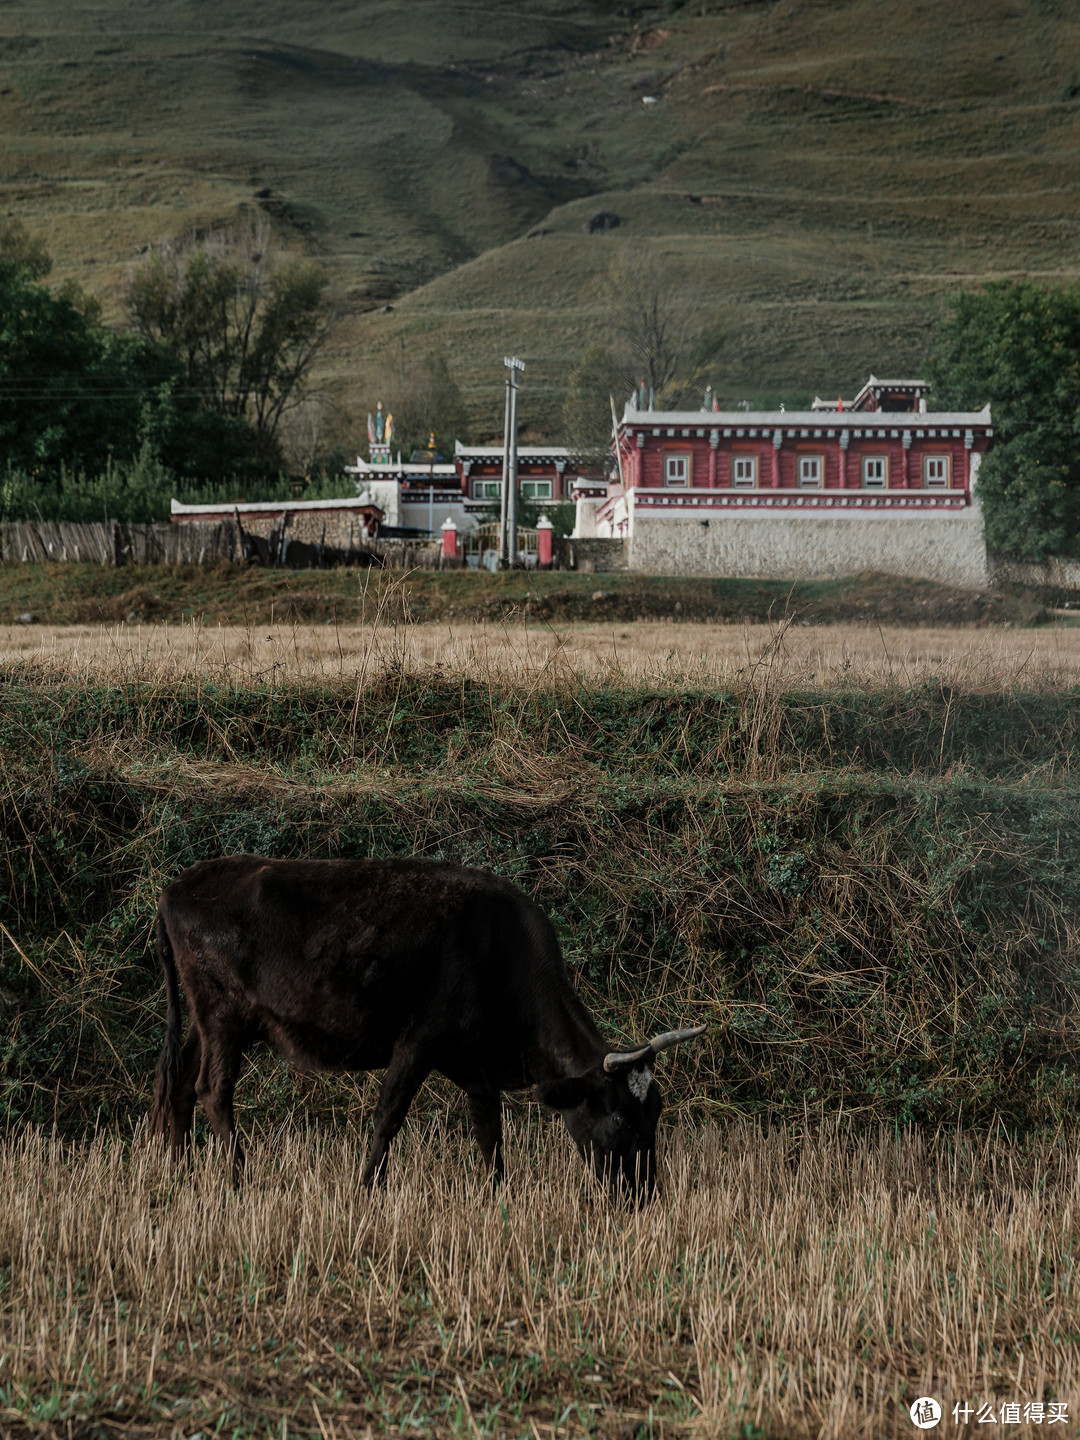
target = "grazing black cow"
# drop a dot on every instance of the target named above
(409, 964)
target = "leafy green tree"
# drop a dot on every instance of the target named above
(71, 392)
(78, 399)
(1017, 346)
(244, 324)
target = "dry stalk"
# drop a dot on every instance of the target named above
(822, 657)
(809, 1287)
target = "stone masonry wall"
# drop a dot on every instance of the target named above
(1056, 573)
(336, 528)
(813, 547)
(597, 555)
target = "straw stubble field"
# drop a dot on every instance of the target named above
(844, 655)
(781, 1286)
(849, 851)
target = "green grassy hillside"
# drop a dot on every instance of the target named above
(817, 175)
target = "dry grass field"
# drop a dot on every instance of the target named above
(871, 1166)
(781, 1287)
(847, 656)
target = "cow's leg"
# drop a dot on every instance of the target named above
(485, 1108)
(222, 1052)
(405, 1074)
(183, 1098)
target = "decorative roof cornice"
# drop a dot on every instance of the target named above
(394, 471)
(819, 420)
(256, 507)
(477, 452)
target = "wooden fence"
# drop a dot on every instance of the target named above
(113, 542)
(110, 542)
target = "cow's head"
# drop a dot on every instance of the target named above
(612, 1110)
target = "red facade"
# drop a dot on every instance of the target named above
(806, 459)
(544, 472)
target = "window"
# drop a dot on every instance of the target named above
(537, 489)
(743, 472)
(935, 469)
(811, 470)
(676, 469)
(875, 472)
(486, 489)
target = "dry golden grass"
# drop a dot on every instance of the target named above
(781, 1287)
(821, 655)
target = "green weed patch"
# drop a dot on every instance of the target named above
(871, 899)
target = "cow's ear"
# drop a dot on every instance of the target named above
(562, 1094)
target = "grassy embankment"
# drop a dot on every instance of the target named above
(870, 897)
(230, 595)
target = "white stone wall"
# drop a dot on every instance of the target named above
(949, 548)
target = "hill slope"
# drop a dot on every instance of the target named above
(818, 175)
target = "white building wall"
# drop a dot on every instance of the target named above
(949, 548)
(383, 493)
(585, 518)
(421, 516)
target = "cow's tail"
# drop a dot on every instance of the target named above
(168, 1066)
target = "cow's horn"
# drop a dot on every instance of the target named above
(615, 1061)
(674, 1037)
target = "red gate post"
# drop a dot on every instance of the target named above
(545, 532)
(449, 539)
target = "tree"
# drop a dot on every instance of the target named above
(81, 403)
(25, 253)
(77, 397)
(315, 436)
(427, 402)
(648, 318)
(597, 377)
(71, 392)
(652, 341)
(1017, 346)
(244, 323)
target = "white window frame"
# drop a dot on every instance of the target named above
(670, 461)
(935, 484)
(536, 488)
(874, 482)
(487, 489)
(817, 483)
(744, 482)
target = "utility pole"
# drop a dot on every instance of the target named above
(431, 486)
(508, 508)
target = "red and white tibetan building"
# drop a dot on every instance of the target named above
(422, 494)
(876, 483)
